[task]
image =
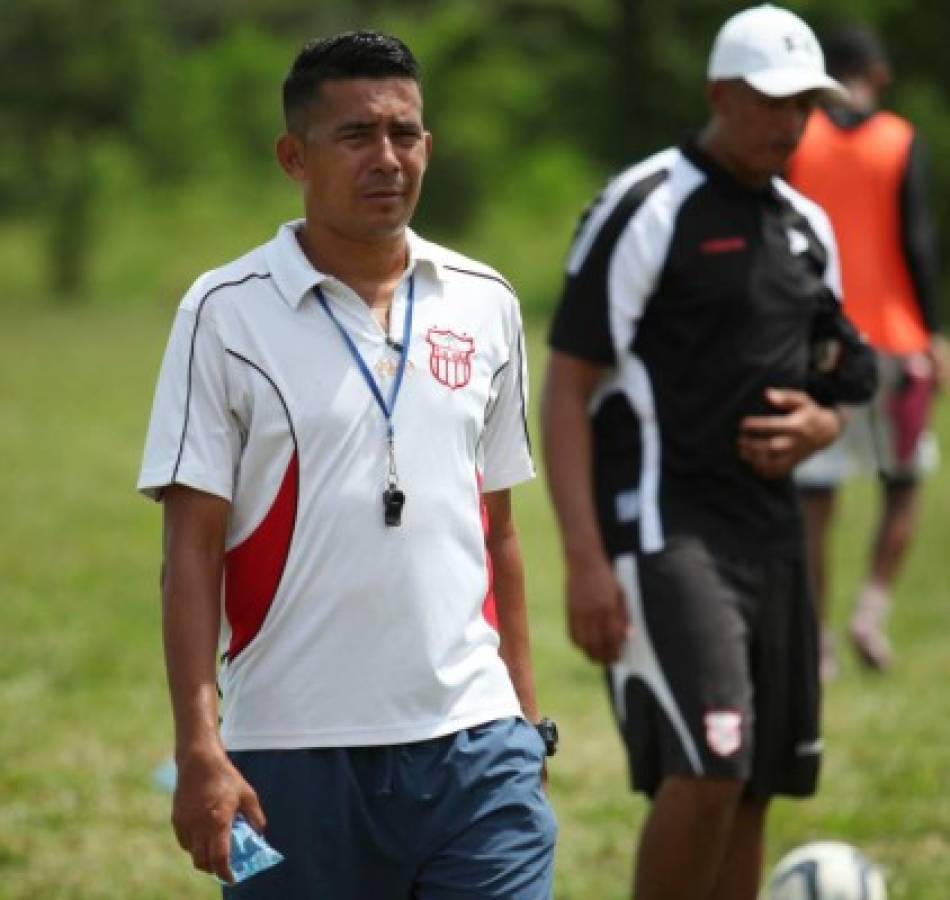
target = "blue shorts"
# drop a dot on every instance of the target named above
(460, 816)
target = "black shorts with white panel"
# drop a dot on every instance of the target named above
(719, 679)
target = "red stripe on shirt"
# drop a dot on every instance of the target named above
(253, 569)
(488, 604)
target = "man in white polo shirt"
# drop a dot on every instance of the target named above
(339, 417)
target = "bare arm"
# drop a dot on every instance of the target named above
(938, 352)
(596, 609)
(209, 790)
(505, 554)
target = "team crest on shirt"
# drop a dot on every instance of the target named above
(723, 731)
(450, 357)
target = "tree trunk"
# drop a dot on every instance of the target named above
(69, 220)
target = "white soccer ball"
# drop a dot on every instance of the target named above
(826, 870)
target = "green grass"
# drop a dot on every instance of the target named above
(83, 709)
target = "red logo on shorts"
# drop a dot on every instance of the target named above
(724, 731)
(450, 359)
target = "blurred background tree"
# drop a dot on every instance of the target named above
(136, 138)
(69, 79)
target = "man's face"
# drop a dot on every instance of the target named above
(363, 156)
(761, 132)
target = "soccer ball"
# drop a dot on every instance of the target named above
(826, 870)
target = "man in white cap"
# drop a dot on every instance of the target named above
(698, 354)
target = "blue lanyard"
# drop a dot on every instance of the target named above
(387, 408)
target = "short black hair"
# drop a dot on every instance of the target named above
(353, 54)
(852, 50)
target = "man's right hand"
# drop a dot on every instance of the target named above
(597, 617)
(209, 793)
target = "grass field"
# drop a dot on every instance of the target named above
(83, 710)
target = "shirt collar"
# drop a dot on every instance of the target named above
(295, 276)
(422, 252)
(718, 173)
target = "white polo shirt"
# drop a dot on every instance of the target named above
(339, 630)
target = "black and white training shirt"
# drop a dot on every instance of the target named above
(697, 294)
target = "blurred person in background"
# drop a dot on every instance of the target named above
(338, 422)
(684, 385)
(866, 168)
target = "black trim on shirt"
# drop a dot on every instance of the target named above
(293, 437)
(191, 358)
(490, 276)
(494, 377)
(524, 412)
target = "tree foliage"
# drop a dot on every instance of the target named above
(532, 102)
(69, 75)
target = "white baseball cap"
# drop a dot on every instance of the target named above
(772, 50)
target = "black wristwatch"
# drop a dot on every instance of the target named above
(547, 728)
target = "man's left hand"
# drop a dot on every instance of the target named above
(774, 444)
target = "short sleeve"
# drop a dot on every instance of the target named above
(832, 272)
(192, 439)
(616, 235)
(506, 446)
(917, 234)
(581, 324)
